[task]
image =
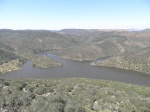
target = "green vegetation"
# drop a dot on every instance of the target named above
(127, 50)
(78, 44)
(6, 54)
(89, 52)
(34, 40)
(135, 61)
(72, 95)
(8, 60)
(11, 65)
(39, 61)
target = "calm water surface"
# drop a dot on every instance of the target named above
(78, 69)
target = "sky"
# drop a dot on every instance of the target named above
(80, 14)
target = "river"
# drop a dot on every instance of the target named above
(78, 69)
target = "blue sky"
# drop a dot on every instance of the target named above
(83, 14)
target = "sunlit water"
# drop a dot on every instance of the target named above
(78, 69)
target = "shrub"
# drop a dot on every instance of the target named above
(40, 90)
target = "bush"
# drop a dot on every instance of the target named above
(26, 101)
(6, 83)
(49, 90)
(75, 108)
(30, 88)
(40, 90)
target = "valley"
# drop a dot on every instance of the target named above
(128, 49)
(74, 70)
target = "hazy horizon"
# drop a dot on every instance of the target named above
(76, 28)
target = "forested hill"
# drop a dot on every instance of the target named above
(6, 54)
(75, 44)
(34, 40)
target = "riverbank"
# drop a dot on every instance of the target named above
(126, 62)
(39, 61)
(10, 66)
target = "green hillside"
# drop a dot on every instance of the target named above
(72, 95)
(138, 60)
(76, 44)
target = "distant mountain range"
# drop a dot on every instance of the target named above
(135, 29)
